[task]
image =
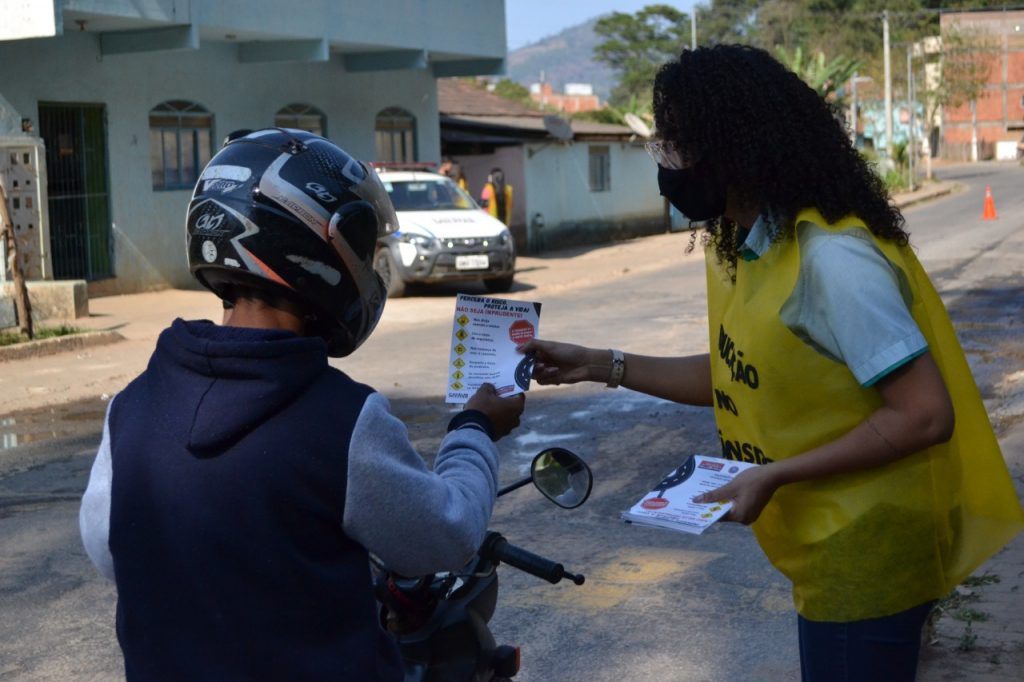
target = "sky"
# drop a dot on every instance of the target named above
(527, 21)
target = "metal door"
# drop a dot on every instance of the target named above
(81, 243)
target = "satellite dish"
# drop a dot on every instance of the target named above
(557, 127)
(637, 125)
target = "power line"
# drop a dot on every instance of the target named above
(923, 12)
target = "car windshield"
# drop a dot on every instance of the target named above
(428, 194)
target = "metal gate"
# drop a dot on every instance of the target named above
(81, 244)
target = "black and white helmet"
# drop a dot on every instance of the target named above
(293, 214)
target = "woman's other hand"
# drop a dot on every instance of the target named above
(749, 492)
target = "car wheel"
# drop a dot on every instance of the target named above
(385, 265)
(498, 285)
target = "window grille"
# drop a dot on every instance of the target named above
(396, 136)
(81, 241)
(302, 117)
(600, 168)
(180, 143)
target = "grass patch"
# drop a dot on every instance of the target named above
(11, 338)
(968, 640)
(979, 580)
(970, 615)
(957, 605)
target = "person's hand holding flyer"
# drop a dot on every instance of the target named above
(671, 505)
(485, 335)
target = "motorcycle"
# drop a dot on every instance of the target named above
(441, 620)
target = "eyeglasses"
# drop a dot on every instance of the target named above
(668, 154)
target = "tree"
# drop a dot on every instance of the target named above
(845, 27)
(22, 306)
(727, 21)
(617, 114)
(783, 24)
(511, 90)
(823, 77)
(636, 45)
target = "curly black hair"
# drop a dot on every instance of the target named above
(771, 138)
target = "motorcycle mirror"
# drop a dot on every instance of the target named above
(562, 477)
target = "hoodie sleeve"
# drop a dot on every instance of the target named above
(416, 520)
(94, 514)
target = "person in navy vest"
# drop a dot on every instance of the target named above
(242, 482)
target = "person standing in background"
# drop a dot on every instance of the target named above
(450, 168)
(496, 197)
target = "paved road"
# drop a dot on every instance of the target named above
(656, 604)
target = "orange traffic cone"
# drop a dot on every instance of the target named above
(990, 206)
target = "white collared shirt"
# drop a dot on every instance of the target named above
(849, 303)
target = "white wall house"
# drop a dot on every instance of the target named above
(131, 97)
(574, 182)
(601, 186)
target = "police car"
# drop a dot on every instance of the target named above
(442, 235)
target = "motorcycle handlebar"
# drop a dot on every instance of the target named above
(496, 548)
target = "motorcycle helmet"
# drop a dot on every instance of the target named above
(290, 214)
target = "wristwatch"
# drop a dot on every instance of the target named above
(618, 368)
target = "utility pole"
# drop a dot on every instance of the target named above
(854, 113)
(853, 109)
(693, 28)
(887, 58)
(911, 146)
(974, 130)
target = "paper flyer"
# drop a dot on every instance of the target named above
(485, 335)
(670, 504)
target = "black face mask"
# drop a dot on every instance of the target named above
(695, 191)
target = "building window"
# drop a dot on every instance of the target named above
(396, 135)
(600, 169)
(180, 143)
(302, 117)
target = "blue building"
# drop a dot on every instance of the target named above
(872, 115)
(129, 99)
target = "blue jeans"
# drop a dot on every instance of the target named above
(864, 650)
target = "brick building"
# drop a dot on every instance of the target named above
(576, 98)
(999, 112)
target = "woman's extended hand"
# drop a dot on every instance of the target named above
(565, 363)
(749, 492)
(682, 379)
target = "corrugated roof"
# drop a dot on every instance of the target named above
(456, 96)
(595, 128)
(463, 100)
(535, 124)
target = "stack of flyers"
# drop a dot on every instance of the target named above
(670, 504)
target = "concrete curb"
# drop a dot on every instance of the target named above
(914, 198)
(58, 344)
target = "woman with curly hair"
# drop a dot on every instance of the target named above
(833, 365)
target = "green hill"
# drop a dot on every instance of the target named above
(567, 57)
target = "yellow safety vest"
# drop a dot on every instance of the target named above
(488, 194)
(872, 543)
